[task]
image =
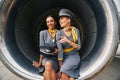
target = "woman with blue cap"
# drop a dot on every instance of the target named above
(68, 43)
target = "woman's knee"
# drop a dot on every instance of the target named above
(48, 65)
(64, 75)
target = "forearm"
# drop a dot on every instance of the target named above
(76, 46)
(60, 63)
(40, 60)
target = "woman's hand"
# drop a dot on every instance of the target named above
(36, 64)
(58, 75)
(55, 52)
(64, 39)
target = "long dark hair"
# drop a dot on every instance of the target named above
(55, 18)
(51, 16)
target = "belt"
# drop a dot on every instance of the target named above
(68, 49)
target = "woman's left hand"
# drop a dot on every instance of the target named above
(36, 64)
(58, 75)
(63, 39)
(55, 52)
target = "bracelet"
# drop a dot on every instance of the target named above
(78, 46)
(71, 43)
(41, 56)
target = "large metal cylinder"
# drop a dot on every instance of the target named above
(21, 21)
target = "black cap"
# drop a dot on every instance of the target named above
(66, 12)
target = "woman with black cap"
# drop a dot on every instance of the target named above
(47, 37)
(68, 43)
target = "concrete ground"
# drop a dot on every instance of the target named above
(5, 74)
(112, 72)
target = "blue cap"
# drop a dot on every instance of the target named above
(66, 12)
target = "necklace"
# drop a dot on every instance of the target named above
(67, 29)
(52, 33)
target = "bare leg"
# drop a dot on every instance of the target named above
(53, 74)
(44, 76)
(64, 76)
(49, 73)
(72, 78)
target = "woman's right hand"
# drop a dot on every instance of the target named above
(36, 64)
(55, 52)
(58, 75)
